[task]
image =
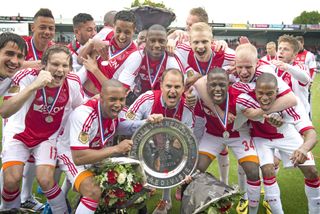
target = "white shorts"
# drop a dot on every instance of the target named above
(286, 146)
(44, 153)
(67, 165)
(242, 147)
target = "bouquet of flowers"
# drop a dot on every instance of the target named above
(122, 183)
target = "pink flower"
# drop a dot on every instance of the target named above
(112, 177)
(137, 187)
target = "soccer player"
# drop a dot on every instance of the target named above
(292, 72)
(271, 48)
(110, 63)
(294, 148)
(219, 131)
(38, 104)
(169, 102)
(86, 139)
(84, 28)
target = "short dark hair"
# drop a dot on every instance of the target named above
(218, 70)
(44, 12)
(174, 71)
(55, 49)
(125, 15)
(81, 18)
(267, 78)
(7, 37)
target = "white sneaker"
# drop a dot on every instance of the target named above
(32, 205)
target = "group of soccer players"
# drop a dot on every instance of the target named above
(63, 105)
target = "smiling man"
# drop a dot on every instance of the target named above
(38, 104)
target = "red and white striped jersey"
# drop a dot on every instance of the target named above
(33, 53)
(308, 59)
(30, 124)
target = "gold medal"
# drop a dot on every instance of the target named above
(190, 73)
(50, 100)
(226, 134)
(48, 119)
(83, 137)
(130, 115)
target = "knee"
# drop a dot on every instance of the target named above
(311, 173)
(268, 171)
(11, 180)
(90, 190)
(251, 170)
(46, 182)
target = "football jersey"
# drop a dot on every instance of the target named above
(32, 52)
(221, 59)
(145, 73)
(36, 121)
(106, 33)
(4, 85)
(295, 119)
(112, 67)
(74, 48)
(268, 58)
(151, 102)
(299, 89)
(308, 59)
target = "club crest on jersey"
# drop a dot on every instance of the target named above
(190, 73)
(14, 89)
(130, 115)
(83, 137)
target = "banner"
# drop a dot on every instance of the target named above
(21, 29)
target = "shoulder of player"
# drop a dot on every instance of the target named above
(24, 74)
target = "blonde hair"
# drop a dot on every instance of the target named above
(246, 50)
(200, 27)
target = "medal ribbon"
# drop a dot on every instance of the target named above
(44, 96)
(224, 121)
(153, 81)
(117, 53)
(199, 67)
(104, 139)
(35, 56)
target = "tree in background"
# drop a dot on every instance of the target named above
(305, 17)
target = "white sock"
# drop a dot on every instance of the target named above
(87, 205)
(253, 191)
(29, 173)
(223, 161)
(272, 195)
(242, 180)
(10, 200)
(66, 185)
(312, 189)
(56, 199)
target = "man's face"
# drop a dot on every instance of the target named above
(172, 88)
(142, 36)
(112, 101)
(266, 94)
(217, 87)
(43, 29)
(11, 59)
(246, 67)
(286, 52)
(201, 45)
(58, 65)
(156, 43)
(271, 50)
(85, 31)
(191, 19)
(123, 33)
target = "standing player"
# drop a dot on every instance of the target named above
(292, 72)
(84, 28)
(110, 63)
(294, 148)
(170, 103)
(44, 100)
(271, 48)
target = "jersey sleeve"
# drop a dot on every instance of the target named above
(229, 57)
(83, 128)
(131, 68)
(76, 90)
(141, 107)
